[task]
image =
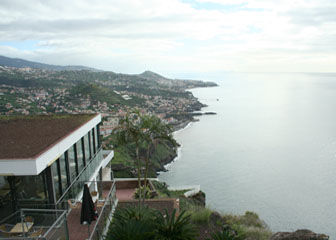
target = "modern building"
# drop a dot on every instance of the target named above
(44, 163)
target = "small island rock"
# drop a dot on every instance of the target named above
(302, 234)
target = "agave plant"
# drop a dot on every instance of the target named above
(132, 223)
(170, 227)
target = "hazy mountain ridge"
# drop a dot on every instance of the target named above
(14, 73)
(21, 63)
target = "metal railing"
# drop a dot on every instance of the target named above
(35, 224)
(84, 175)
(105, 216)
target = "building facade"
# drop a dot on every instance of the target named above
(45, 160)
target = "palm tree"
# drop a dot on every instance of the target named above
(129, 131)
(154, 130)
(143, 130)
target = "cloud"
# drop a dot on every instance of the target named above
(169, 36)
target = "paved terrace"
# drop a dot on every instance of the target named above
(78, 231)
(126, 190)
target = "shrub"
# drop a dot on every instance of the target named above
(170, 227)
(148, 224)
(201, 215)
(145, 191)
(132, 223)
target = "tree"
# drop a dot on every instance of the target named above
(145, 131)
(154, 130)
(129, 131)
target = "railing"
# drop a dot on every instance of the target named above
(85, 175)
(36, 224)
(105, 215)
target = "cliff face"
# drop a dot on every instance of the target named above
(124, 165)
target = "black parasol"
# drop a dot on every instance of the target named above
(88, 211)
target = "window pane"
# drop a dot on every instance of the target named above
(80, 156)
(93, 147)
(56, 179)
(87, 148)
(31, 187)
(72, 163)
(63, 173)
(96, 138)
(5, 198)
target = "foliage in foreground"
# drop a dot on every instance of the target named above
(247, 226)
(145, 223)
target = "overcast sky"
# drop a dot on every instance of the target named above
(173, 37)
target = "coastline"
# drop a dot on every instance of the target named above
(179, 149)
(179, 128)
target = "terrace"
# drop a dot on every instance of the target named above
(63, 223)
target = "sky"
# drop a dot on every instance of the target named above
(175, 38)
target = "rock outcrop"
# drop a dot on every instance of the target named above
(199, 198)
(302, 234)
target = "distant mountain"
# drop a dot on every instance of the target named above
(21, 63)
(151, 76)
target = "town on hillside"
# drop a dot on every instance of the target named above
(39, 91)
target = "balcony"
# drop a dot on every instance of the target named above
(105, 200)
(36, 224)
(63, 223)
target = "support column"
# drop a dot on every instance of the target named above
(50, 186)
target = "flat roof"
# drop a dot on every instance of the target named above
(24, 137)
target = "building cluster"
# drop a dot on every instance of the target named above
(31, 100)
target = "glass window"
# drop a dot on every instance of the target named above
(93, 147)
(64, 179)
(87, 148)
(31, 187)
(96, 137)
(80, 155)
(72, 163)
(5, 197)
(54, 171)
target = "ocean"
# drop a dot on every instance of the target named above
(270, 149)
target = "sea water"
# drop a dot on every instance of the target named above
(271, 149)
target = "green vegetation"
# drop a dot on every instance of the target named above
(146, 151)
(248, 225)
(140, 135)
(148, 224)
(200, 215)
(215, 226)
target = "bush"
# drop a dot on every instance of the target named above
(201, 215)
(170, 227)
(132, 223)
(148, 224)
